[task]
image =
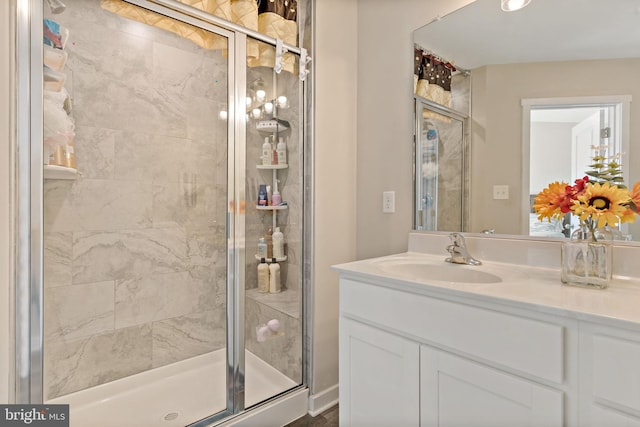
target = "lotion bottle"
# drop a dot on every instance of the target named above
(281, 149)
(266, 152)
(278, 243)
(263, 277)
(274, 277)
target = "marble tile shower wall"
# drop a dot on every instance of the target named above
(283, 352)
(135, 247)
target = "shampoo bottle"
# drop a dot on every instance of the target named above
(269, 240)
(266, 152)
(278, 243)
(276, 199)
(263, 277)
(274, 277)
(262, 195)
(262, 248)
(281, 149)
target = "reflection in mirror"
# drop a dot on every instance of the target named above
(587, 48)
(440, 175)
(563, 140)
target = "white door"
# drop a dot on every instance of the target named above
(584, 135)
(456, 392)
(379, 378)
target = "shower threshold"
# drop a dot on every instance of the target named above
(174, 395)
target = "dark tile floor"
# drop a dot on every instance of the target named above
(328, 418)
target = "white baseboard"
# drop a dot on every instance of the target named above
(283, 411)
(324, 400)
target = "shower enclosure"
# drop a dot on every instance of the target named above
(138, 304)
(440, 167)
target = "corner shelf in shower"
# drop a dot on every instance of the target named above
(268, 260)
(273, 125)
(272, 208)
(286, 302)
(59, 172)
(272, 167)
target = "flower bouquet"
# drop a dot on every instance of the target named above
(600, 202)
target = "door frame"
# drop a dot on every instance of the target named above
(529, 104)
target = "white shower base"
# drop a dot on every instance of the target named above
(173, 396)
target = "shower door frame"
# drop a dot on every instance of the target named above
(29, 302)
(421, 104)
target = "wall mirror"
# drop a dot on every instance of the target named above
(546, 65)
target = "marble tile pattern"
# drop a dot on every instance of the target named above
(283, 352)
(450, 182)
(135, 248)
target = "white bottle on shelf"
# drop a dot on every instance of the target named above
(274, 277)
(266, 152)
(264, 282)
(281, 149)
(278, 243)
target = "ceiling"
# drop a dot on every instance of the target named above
(546, 30)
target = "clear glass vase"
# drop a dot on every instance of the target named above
(587, 258)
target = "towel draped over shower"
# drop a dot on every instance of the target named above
(432, 80)
(274, 18)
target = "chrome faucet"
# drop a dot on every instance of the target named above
(459, 252)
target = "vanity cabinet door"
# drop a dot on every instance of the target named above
(458, 392)
(609, 377)
(379, 377)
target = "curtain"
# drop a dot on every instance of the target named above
(432, 80)
(275, 18)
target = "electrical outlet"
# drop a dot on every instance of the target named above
(500, 192)
(388, 201)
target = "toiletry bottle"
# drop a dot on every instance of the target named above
(269, 196)
(262, 195)
(262, 248)
(274, 156)
(276, 199)
(269, 240)
(264, 282)
(278, 244)
(274, 277)
(267, 157)
(281, 149)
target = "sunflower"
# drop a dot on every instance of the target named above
(549, 201)
(604, 204)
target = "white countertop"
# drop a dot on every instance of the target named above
(533, 288)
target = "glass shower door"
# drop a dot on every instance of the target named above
(273, 321)
(440, 182)
(136, 189)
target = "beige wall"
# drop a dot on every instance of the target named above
(335, 173)
(385, 118)
(6, 138)
(363, 76)
(497, 125)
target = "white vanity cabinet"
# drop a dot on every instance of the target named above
(455, 391)
(380, 385)
(410, 359)
(609, 376)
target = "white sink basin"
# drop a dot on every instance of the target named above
(445, 272)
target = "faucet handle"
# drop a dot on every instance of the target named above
(457, 239)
